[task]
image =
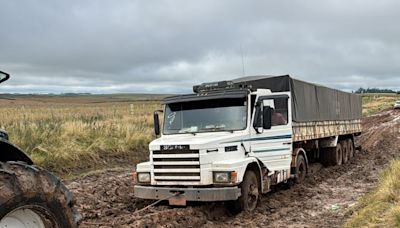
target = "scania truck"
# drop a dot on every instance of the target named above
(233, 140)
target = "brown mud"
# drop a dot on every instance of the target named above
(326, 199)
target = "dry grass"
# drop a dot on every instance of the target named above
(381, 208)
(79, 134)
(373, 103)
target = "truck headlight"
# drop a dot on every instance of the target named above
(222, 177)
(144, 177)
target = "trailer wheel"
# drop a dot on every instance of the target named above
(333, 155)
(32, 197)
(350, 148)
(250, 194)
(301, 169)
(337, 156)
(345, 151)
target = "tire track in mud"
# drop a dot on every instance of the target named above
(326, 199)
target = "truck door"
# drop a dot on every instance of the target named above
(271, 142)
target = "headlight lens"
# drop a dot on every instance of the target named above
(222, 177)
(144, 177)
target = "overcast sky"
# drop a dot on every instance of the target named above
(167, 46)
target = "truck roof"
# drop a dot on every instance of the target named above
(310, 102)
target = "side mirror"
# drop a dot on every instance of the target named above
(267, 117)
(156, 124)
(257, 117)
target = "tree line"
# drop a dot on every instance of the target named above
(375, 90)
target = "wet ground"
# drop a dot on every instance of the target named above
(326, 199)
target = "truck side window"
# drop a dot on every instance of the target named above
(280, 113)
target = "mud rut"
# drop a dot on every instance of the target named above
(326, 199)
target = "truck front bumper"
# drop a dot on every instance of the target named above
(189, 194)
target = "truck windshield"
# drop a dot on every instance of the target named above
(206, 116)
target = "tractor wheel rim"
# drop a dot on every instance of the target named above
(25, 217)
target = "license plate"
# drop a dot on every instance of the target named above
(177, 201)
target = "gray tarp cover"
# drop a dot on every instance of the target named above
(310, 102)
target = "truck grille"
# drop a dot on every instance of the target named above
(176, 165)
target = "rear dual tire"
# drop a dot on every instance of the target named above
(334, 155)
(341, 154)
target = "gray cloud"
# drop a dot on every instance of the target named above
(166, 46)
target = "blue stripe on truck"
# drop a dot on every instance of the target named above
(263, 138)
(272, 150)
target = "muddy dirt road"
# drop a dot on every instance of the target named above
(327, 198)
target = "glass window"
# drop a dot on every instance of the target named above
(228, 114)
(280, 112)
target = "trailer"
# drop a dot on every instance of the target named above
(233, 140)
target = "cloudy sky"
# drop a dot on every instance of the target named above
(159, 46)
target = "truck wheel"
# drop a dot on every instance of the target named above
(350, 148)
(337, 155)
(333, 155)
(345, 151)
(301, 169)
(32, 197)
(250, 194)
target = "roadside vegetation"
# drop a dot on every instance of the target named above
(381, 208)
(376, 102)
(76, 134)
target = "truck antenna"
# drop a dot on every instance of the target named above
(241, 52)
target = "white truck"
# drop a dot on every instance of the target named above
(232, 140)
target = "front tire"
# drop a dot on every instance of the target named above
(301, 169)
(31, 195)
(250, 194)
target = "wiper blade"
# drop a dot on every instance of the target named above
(213, 128)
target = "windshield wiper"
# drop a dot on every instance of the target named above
(213, 128)
(187, 131)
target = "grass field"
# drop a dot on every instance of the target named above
(74, 134)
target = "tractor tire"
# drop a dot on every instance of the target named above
(32, 197)
(250, 194)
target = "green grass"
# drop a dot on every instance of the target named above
(381, 208)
